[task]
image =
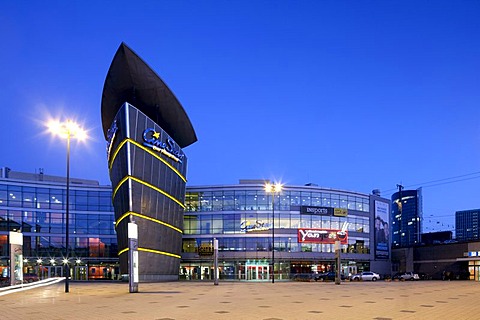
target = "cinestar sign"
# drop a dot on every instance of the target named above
(324, 236)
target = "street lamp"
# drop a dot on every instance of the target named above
(68, 129)
(273, 188)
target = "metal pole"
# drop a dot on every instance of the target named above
(215, 261)
(273, 236)
(67, 211)
(337, 256)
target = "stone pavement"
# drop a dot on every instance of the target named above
(247, 300)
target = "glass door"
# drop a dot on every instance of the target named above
(80, 273)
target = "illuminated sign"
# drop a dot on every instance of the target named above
(167, 147)
(324, 211)
(205, 249)
(257, 225)
(324, 236)
(340, 212)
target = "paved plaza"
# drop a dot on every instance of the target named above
(247, 300)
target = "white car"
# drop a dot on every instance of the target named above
(409, 276)
(366, 276)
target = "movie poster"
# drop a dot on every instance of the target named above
(382, 230)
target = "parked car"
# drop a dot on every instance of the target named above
(406, 276)
(30, 277)
(366, 276)
(327, 276)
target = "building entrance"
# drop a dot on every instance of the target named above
(80, 273)
(258, 272)
(54, 271)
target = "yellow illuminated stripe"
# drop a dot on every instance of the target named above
(147, 218)
(160, 252)
(118, 187)
(153, 251)
(114, 156)
(158, 190)
(148, 151)
(145, 184)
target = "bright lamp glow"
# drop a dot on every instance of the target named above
(67, 129)
(270, 187)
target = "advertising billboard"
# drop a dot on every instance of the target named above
(382, 231)
(323, 236)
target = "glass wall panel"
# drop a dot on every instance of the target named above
(251, 200)
(295, 198)
(305, 198)
(228, 201)
(240, 200)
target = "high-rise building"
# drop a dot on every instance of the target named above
(466, 225)
(406, 218)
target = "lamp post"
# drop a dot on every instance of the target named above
(273, 188)
(68, 130)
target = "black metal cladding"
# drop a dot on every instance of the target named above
(131, 80)
(148, 185)
(157, 192)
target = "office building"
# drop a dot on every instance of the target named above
(466, 225)
(406, 218)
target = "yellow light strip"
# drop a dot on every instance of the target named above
(118, 187)
(160, 252)
(148, 185)
(153, 251)
(146, 150)
(147, 218)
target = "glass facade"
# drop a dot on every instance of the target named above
(466, 225)
(37, 209)
(406, 218)
(240, 218)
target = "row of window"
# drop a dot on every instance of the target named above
(240, 200)
(240, 223)
(355, 245)
(54, 222)
(46, 198)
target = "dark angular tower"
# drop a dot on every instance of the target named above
(146, 128)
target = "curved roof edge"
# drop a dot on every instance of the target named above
(130, 79)
(290, 187)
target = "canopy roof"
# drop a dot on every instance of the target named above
(131, 80)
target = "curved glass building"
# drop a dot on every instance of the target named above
(35, 204)
(308, 221)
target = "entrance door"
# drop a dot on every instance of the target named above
(258, 272)
(54, 271)
(80, 273)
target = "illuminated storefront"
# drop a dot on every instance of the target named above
(35, 205)
(308, 221)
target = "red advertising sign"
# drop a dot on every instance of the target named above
(325, 236)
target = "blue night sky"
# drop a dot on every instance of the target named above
(353, 95)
